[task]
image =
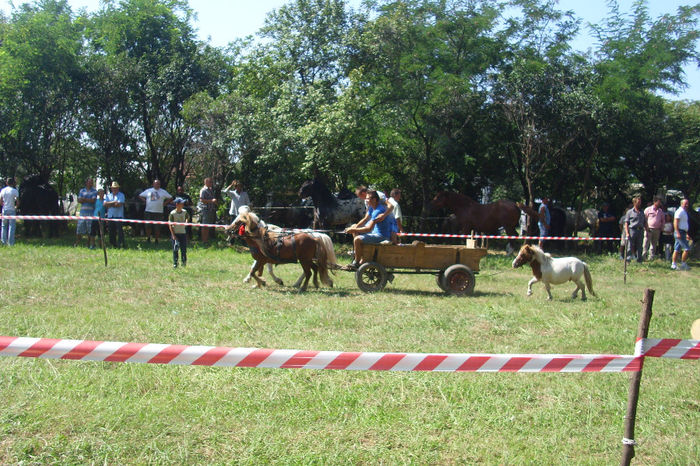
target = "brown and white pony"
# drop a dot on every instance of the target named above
(552, 271)
(278, 247)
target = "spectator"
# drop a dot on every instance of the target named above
(114, 203)
(375, 231)
(606, 227)
(635, 224)
(666, 242)
(86, 198)
(98, 212)
(178, 232)
(9, 200)
(394, 201)
(680, 227)
(624, 240)
(655, 219)
(545, 220)
(180, 192)
(155, 198)
(207, 209)
(239, 198)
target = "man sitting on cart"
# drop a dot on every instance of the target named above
(376, 230)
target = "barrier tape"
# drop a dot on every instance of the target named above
(670, 348)
(209, 225)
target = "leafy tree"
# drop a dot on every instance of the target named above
(40, 82)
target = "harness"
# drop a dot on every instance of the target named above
(277, 247)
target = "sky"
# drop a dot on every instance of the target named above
(222, 21)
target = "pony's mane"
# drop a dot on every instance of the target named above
(541, 255)
(325, 195)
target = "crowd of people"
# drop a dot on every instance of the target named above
(646, 233)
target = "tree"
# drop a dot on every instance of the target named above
(40, 82)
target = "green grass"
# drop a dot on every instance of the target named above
(86, 412)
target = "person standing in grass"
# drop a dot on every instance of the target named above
(680, 226)
(9, 200)
(178, 233)
(86, 197)
(98, 212)
(155, 198)
(114, 203)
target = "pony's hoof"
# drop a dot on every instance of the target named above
(246, 280)
(583, 298)
(529, 293)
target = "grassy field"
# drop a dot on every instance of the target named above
(86, 412)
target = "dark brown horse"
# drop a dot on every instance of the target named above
(281, 248)
(480, 218)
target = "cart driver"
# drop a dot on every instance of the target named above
(376, 230)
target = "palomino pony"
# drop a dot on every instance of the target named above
(277, 247)
(481, 218)
(554, 271)
(328, 209)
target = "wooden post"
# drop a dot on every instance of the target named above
(635, 379)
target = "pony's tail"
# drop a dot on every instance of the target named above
(322, 263)
(589, 279)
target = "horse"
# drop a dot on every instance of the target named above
(278, 247)
(328, 209)
(324, 241)
(38, 197)
(554, 271)
(482, 218)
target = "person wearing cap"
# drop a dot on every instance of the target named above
(114, 203)
(178, 233)
(545, 220)
(155, 198)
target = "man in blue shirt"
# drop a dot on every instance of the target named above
(374, 231)
(114, 203)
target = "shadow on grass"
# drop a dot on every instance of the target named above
(408, 292)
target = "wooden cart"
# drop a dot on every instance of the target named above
(454, 267)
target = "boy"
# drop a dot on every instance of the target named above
(178, 233)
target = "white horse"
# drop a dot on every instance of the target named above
(554, 271)
(321, 238)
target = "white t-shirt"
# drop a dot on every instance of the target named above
(682, 217)
(397, 208)
(9, 196)
(154, 199)
(237, 201)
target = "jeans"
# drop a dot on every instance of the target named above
(180, 244)
(9, 227)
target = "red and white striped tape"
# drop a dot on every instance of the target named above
(294, 359)
(669, 348)
(558, 238)
(425, 235)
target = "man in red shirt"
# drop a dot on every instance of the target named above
(655, 224)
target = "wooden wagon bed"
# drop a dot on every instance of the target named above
(453, 266)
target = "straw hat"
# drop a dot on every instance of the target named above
(114, 184)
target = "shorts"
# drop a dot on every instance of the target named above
(681, 243)
(207, 217)
(372, 238)
(544, 231)
(157, 216)
(83, 227)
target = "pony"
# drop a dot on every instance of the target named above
(38, 197)
(328, 209)
(554, 271)
(278, 247)
(482, 218)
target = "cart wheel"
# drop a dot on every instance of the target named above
(371, 277)
(440, 280)
(459, 280)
